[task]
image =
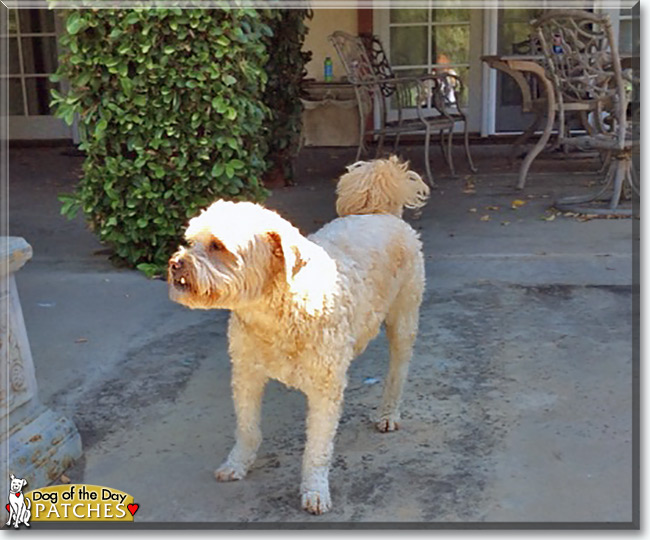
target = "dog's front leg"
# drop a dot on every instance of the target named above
(247, 389)
(322, 421)
(11, 515)
(21, 515)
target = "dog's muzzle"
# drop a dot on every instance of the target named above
(179, 275)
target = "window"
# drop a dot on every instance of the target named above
(32, 59)
(625, 34)
(430, 40)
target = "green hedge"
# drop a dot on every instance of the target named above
(286, 71)
(171, 115)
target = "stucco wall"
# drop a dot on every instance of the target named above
(325, 22)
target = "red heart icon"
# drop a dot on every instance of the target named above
(133, 508)
(17, 494)
(8, 508)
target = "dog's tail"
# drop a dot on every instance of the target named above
(381, 186)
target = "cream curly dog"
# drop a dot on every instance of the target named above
(304, 307)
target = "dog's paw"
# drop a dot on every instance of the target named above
(387, 424)
(316, 502)
(229, 473)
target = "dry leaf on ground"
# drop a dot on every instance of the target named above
(469, 186)
(517, 203)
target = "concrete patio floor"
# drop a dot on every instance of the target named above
(518, 406)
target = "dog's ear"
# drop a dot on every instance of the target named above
(287, 253)
(24, 483)
(12, 477)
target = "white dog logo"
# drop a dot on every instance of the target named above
(18, 507)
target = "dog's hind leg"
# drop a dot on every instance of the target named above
(401, 330)
(248, 389)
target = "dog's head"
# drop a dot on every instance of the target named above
(16, 484)
(236, 253)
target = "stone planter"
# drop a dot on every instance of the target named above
(35, 442)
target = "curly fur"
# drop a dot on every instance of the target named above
(382, 186)
(302, 309)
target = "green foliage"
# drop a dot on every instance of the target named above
(286, 71)
(171, 117)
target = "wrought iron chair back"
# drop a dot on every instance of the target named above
(379, 61)
(583, 63)
(375, 83)
(356, 60)
(361, 74)
(582, 60)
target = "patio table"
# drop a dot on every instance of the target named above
(517, 66)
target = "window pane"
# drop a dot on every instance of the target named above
(408, 46)
(514, 37)
(410, 72)
(450, 44)
(12, 21)
(39, 54)
(625, 36)
(38, 95)
(510, 91)
(14, 65)
(408, 15)
(15, 98)
(514, 30)
(36, 21)
(409, 99)
(450, 15)
(522, 15)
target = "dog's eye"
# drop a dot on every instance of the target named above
(215, 245)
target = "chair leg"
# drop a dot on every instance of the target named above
(427, 165)
(441, 134)
(634, 181)
(617, 174)
(467, 152)
(619, 177)
(605, 160)
(523, 138)
(362, 136)
(449, 151)
(359, 152)
(380, 144)
(396, 143)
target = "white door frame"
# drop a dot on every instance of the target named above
(489, 86)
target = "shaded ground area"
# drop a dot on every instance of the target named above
(519, 400)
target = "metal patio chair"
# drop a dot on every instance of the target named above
(583, 63)
(433, 97)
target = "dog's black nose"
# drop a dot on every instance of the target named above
(176, 264)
